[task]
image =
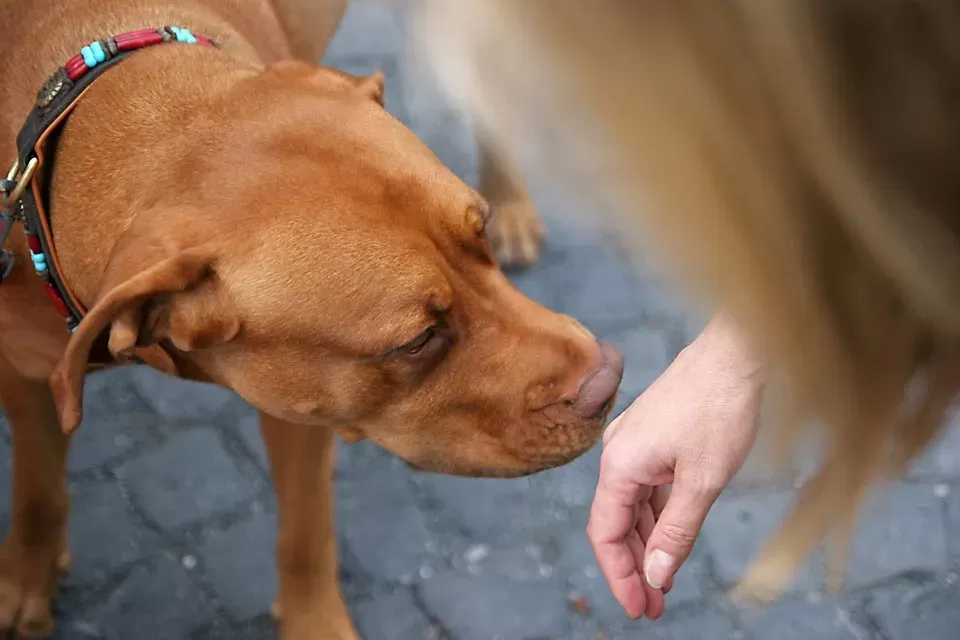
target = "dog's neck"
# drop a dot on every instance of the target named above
(136, 141)
(41, 35)
(126, 145)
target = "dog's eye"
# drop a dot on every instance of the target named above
(417, 345)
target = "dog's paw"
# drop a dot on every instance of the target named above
(28, 580)
(516, 234)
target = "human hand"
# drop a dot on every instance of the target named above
(693, 428)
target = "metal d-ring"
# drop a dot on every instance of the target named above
(20, 183)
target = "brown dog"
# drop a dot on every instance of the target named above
(234, 216)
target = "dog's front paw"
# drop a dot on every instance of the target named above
(516, 233)
(28, 580)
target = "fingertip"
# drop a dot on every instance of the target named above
(668, 587)
(654, 602)
(655, 605)
(631, 595)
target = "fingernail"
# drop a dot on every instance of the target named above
(660, 567)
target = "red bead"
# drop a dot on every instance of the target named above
(76, 67)
(34, 243)
(57, 300)
(135, 35)
(138, 40)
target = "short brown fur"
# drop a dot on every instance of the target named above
(265, 224)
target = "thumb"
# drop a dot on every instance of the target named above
(675, 533)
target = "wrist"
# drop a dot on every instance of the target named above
(723, 343)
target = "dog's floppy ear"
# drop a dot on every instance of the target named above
(157, 286)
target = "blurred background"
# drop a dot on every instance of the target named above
(172, 524)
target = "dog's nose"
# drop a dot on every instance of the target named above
(599, 388)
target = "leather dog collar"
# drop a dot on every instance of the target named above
(23, 194)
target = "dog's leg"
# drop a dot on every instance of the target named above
(35, 550)
(515, 231)
(310, 25)
(310, 606)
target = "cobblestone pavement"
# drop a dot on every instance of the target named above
(172, 523)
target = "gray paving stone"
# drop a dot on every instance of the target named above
(106, 439)
(450, 136)
(530, 559)
(538, 283)
(116, 420)
(902, 530)
(157, 600)
(909, 612)
(489, 606)
(262, 628)
(573, 220)
(646, 357)
(248, 428)
(104, 532)
(601, 291)
(378, 517)
(110, 391)
(181, 401)
(369, 28)
(803, 620)
(355, 461)
(952, 515)
(188, 478)
(490, 510)
(392, 616)
(664, 295)
(693, 581)
(699, 625)
(240, 565)
(941, 460)
(738, 526)
(574, 484)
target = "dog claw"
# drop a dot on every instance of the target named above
(35, 619)
(26, 588)
(28, 614)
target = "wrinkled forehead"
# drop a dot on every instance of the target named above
(374, 282)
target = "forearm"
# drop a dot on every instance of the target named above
(725, 350)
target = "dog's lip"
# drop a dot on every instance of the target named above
(518, 467)
(605, 410)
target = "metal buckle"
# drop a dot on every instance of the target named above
(12, 194)
(11, 190)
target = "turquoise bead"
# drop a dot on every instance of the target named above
(88, 57)
(184, 35)
(98, 53)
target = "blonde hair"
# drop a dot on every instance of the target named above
(799, 158)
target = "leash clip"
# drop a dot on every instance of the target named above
(11, 191)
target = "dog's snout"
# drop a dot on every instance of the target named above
(600, 387)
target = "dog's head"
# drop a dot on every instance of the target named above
(325, 265)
